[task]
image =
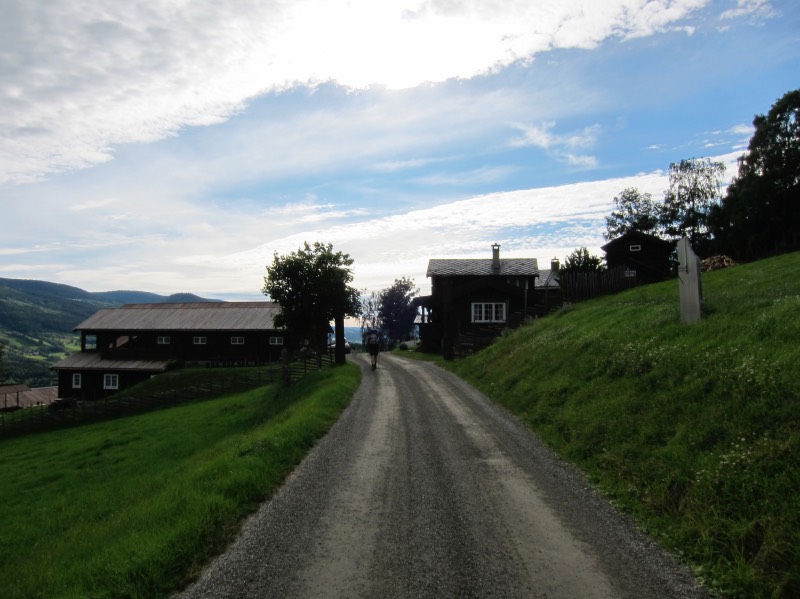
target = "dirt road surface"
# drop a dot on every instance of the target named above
(424, 488)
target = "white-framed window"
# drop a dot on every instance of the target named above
(110, 381)
(237, 340)
(276, 340)
(76, 380)
(489, 312)
(163, 340)
(636, 248)
(199, 340)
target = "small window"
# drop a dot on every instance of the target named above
(636, 248)
(630, 272)
(276, 340)
(489, 312)
(91, 342)
(76, 380)
(199, 340)
(110, 381)
(163, 340)
(237, 340)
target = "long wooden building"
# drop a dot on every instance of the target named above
(123, 346)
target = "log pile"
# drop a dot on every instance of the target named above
(716, 263)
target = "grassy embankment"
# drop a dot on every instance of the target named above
(695, 430)
(133, 507)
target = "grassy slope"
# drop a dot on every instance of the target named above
(693, 429)
(133, 507)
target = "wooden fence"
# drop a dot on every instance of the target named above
(209, 383)
(581, 286)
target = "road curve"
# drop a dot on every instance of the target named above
(424, 488)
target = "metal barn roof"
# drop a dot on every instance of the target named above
(93, 361)
(200, 316)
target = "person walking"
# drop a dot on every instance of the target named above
(373, 347)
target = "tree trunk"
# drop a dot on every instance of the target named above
(339, 332)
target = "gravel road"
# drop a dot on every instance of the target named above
(424, 488)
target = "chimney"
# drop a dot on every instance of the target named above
(496, 256)
(555, 265)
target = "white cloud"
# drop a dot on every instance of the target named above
(534, 222)
(82, 78)
(759, 9)
(302, 213)
(481, 175)
(93, 204)
(559, 146)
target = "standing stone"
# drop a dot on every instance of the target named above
(691, 289)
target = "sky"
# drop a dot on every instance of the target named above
(178, 145)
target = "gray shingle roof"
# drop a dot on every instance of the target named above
(481, 267)
(201, 316)
(547, 278)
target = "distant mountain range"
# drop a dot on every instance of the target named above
(37, 319)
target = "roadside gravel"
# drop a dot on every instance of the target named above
(424, 488)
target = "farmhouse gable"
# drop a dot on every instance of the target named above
(473, 300)
(644, 256)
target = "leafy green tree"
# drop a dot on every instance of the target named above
(580, 260)
(760, 214)
(397, 311)
(694, 187)
(370, 305)
(633, 211)
(312, 288)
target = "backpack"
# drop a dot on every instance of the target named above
(373, 340)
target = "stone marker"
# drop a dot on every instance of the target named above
(691, 290)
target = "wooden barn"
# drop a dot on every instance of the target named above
(473, 300)
(123, 346)
(645, 257)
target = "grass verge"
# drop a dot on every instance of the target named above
(695, 430)
(135, 506)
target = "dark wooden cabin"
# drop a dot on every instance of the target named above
(645, 257)
(123, 346)
(473, 300)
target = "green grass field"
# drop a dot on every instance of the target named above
(133, 507)
(694, 429)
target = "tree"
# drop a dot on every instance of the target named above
(311, 286)
(580, 260)
(694, 187)
(369, 312)
(760, 214)
(397, 311)
(633, 211)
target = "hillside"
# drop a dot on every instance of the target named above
(693, 429)
(37, 318)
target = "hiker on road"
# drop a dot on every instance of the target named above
(373, 347)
